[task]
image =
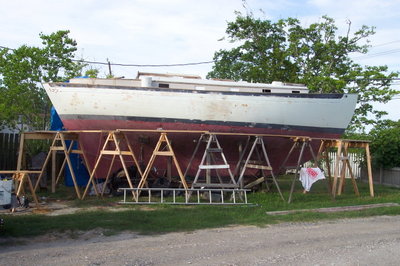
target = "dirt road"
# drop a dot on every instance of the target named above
(370, 241)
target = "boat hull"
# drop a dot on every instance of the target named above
(84, 107)
(184, 144)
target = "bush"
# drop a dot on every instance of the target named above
(385, 146)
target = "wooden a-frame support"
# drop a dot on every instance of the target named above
(20, 177)
(162, 148)
(59, 144)
(262, 163)
(208, 163)
(114, 138)
(342, 158)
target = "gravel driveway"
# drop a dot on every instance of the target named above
(367, 241)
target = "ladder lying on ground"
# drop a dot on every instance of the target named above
(206, 196)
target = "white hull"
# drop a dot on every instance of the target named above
(230, 108)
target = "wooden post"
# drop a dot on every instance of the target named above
(328, 167)
(343, 160)
(337, 168)
(53, 171)
(20, 156)
(370, 181)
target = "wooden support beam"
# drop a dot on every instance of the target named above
(336, 172)
(260, 167)
(21, 151)
(343, 159)
(53, 170)
(116, 138)
(60, 137)
(166, 150)
(21, 177)
(255, 183)
(369, 167)
(258, 144)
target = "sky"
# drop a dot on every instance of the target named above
(186, 31)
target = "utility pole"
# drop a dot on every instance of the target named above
(109, 68)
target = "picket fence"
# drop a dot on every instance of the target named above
(9, 143)
(355, 160)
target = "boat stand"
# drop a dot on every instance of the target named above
(342, 162)
(59, 144)
(20, 177)
(209, 162)
(262, 164)
(58, 139)
(114, 140)
(163, 148)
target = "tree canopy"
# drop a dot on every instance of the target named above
(22, 70)
(385, 145)
(316, 55)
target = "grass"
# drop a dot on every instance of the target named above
(168, 218)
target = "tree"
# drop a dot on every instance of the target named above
(315, 55)
(385, 145)
(22, 71)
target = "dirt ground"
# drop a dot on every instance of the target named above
(367, 241)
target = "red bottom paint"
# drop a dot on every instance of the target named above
(143, 143)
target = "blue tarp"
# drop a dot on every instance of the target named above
(55, 121)
(81, 173)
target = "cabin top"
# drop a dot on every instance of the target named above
(193, 82)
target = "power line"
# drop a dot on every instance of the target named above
(378, 54)
(386, 43)
(129, 65)
(144, 65)
(370, 79)
(366, 56)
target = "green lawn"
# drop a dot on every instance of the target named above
(168, 218)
